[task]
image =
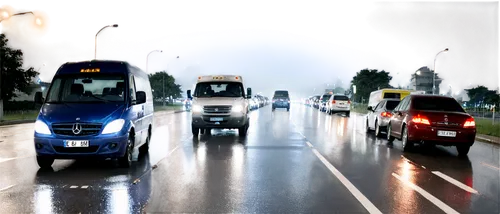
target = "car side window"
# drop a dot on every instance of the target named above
(398, 108)
(404, 104)
(379, 106)
(132, 88)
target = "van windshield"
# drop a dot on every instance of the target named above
(219, 89)
(87, 88)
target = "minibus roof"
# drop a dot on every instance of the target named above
(94, 66)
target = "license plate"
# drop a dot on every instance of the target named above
(76, 143)
(216, 119)
(447, 133)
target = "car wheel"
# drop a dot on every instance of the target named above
(348, 114)
(44, 162)
(195, 131)
(407, 145)
(377, 130)
(126, 160)
(463, 150)
(390, 138)
(287, 109)
(274, 108)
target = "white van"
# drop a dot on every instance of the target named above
(220, 102)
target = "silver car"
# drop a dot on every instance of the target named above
(379, 116)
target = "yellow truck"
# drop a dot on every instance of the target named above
(377, 96)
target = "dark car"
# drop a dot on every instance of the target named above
(432, 119)
(281, 99)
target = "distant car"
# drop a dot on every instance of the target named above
(432, 119)
(315, 101)
(254, 104)
(338, 104)
(322, 102)
(281, 99)
(378, 118)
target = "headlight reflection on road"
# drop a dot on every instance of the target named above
(237, 161)
(119, 201)
(201, 153)
(43, 199)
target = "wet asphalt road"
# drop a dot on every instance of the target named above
(290, 162)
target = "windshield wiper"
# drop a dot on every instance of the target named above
(105, 100)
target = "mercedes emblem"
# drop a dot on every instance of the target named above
(77, 128)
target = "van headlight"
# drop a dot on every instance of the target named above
(197, 108)
(237, 108)
(41, 127)
(114, 126)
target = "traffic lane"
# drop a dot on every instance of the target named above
(13, 141)
(269, 171)
(83, 185)
(343, 141)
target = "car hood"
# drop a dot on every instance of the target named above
(218, 101)
(81, 112)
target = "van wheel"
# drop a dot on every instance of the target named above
(207, 131)
(44, 162)
(145, 148)
(126, 160)
(243, 130)
(287, 109)
(195, 131)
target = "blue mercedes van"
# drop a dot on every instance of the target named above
(101, 109)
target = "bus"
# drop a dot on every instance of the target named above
(377, 96)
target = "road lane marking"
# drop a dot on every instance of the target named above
(73, 187)
(491, 166)
(354, 191)
(455, 182)
(7, 187)
(441, 205)
(14, 158)
(85, 187)
(173, 150)
(309, 144)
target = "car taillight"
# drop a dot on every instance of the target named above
(470, 123)
(421, 120)
(349, 102)
(386, 114)
(333, 101)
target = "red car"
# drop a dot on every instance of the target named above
(432, 119)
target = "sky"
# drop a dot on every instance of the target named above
(267, 60)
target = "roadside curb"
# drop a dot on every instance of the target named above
(16, 122)
(478, 138)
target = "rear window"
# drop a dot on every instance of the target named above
(391, 104)
(340, 97)
(281, 94)
(436, 104)
(392, 95)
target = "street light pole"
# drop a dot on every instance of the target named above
(108, 26)
(147, 58)
(434, 72)
(95, 43)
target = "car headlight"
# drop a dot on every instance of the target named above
(197, 108)
(41, 127)
(237, 108)
(114, 126)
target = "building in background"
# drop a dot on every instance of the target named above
(421, 80)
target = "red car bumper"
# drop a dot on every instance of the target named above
(429, 134)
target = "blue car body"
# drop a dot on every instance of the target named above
(83, 111)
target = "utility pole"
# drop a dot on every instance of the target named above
(163, 83)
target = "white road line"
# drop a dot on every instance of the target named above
(15, 158)
(73, 187)
(173, 150)
(85, 187)
(309, 144)
(354, 191)
(455, 182)
(441, 205)
(491, 166)
(7, 187)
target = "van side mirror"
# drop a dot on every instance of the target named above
(189, 94)
(249, 93)
(140, 97)
(38, 97)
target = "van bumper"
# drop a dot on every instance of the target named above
(99, 147)
(227, 122)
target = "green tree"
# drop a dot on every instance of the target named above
(368, 80)
(163, 81)
(13, 77)
(338, 90)
(482, 95)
